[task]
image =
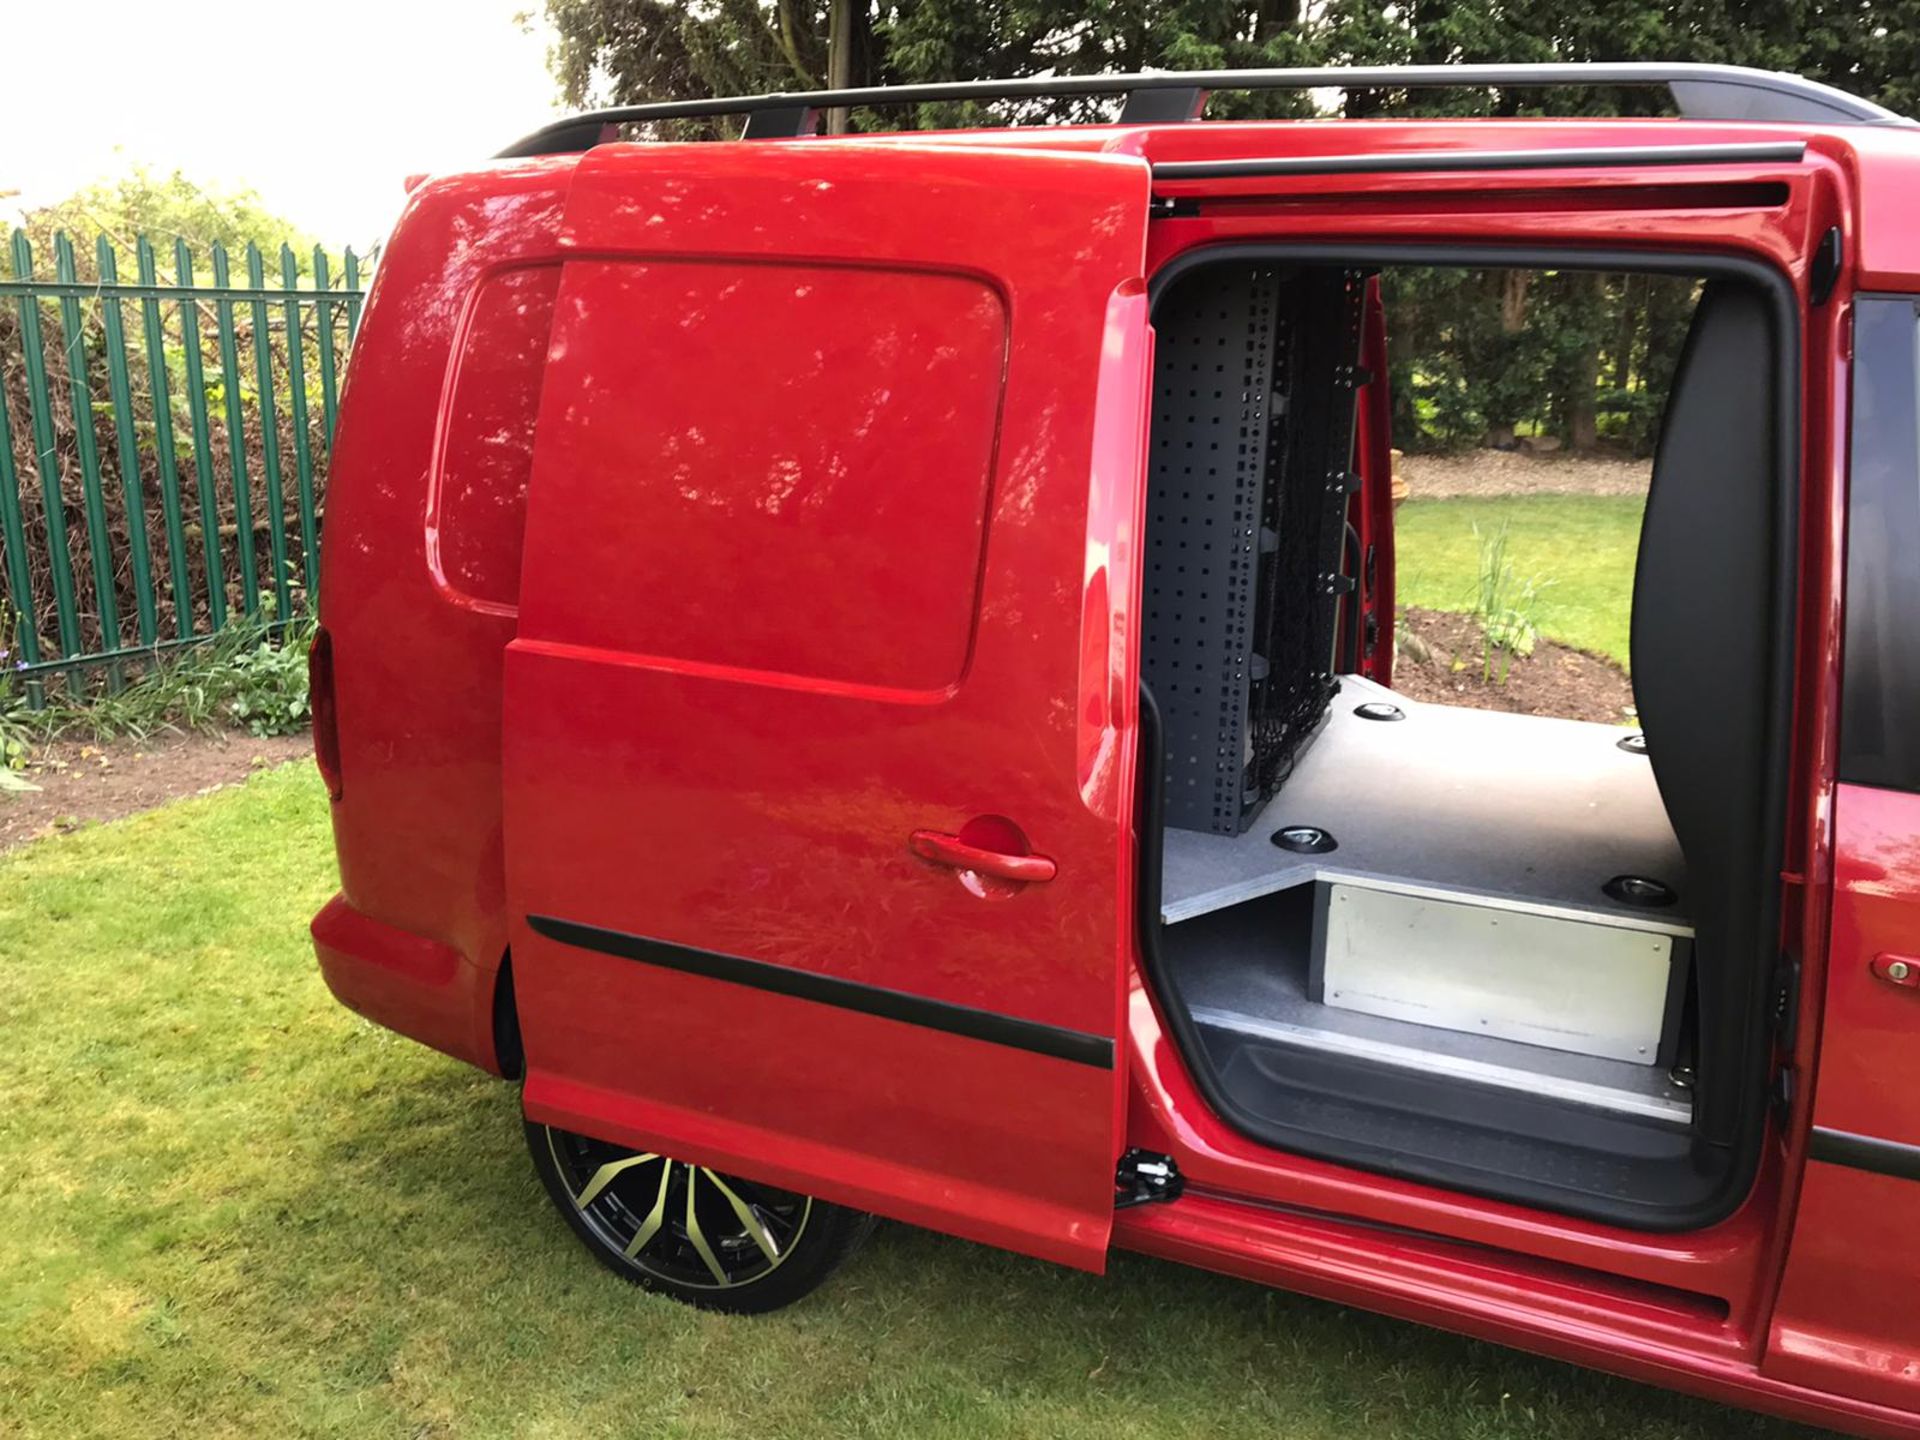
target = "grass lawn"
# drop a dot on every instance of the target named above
(230, 1208)
(1584, 544)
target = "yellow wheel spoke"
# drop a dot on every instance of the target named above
(697, 1237)
(656, 1217)
(605, 1176)
(748, 1220)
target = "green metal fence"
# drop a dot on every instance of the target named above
(163, 447)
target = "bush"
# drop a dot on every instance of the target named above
(268, 684)
(1477, 357)
(252, 676)
(1507, 607)
(13, 732)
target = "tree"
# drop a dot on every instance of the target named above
(165, 208)
(625, 51)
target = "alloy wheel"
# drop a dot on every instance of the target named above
(681, 1223)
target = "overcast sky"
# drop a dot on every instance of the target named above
(324, 109)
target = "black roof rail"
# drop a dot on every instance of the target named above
(1700, 92)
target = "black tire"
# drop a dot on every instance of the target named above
(712, 1240)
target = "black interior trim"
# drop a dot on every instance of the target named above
(1865, 1152)
(974, 1024)
(1699, 661)
(1738, 1089)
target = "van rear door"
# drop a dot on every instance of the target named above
(819, 721)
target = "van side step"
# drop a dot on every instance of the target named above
(1627, 1090)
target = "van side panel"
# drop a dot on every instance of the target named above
(420, 612)
(1848, 1316)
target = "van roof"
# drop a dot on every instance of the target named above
(1698, 92)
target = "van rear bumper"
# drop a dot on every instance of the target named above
(418, 987)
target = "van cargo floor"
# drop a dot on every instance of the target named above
(1603, 1138)
(1526, 810)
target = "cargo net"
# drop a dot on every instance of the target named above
(1304, 519)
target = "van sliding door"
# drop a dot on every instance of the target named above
(819, 725)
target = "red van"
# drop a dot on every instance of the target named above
(861, 671)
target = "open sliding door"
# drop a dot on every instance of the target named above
(818, 722)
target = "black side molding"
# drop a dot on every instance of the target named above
(1785, 152)
(1864, 1152)
(974, 1024)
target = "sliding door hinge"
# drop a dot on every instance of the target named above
(1143, 1177)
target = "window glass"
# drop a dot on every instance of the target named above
(1880, 704)
(477, 520)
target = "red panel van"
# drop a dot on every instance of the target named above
(859, 670)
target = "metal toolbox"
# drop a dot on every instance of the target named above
(1590, 985)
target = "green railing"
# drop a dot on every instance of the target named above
(150, 434)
